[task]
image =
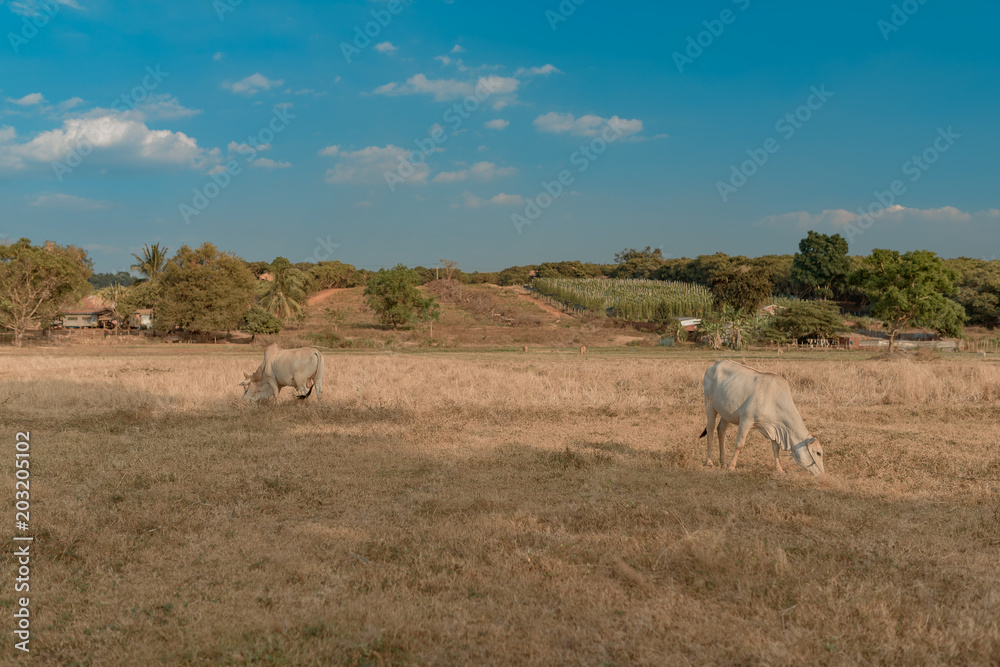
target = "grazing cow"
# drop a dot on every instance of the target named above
(762, 402)
(301, 368)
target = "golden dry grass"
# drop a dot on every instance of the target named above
(499, 509)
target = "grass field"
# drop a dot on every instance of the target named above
(498, 508)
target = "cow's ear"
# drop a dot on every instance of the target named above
(810, 441)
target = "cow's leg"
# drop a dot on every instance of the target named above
(723, 427)
(741, 437)
(711, 415)
(777, 463)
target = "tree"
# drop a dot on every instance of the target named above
(809, 319)
(393, 296)
(256, 320)
(102, 280)
(821, 265)
(204, 290)
(978, 290)
(910, 289)
(744, 288)
(152, 262)
(282, 295)
(632, 263)
(449, 267)
(36, 281)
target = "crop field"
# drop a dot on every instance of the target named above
(636, 300)
(498, 508)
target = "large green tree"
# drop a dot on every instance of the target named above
(820, 266)
(809, 319)
(204, 290)
(744, 288)
(910, 289)
(282, 296)
(633, 263)
(393, 296)
(978, 290)
(36, 281)
(151, 262)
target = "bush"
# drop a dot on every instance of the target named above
(256, 320)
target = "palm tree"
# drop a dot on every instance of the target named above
(281, 296)
(152, 262)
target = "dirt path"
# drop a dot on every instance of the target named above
(527, 296)
(323, 295)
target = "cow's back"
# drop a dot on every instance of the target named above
(732, 388)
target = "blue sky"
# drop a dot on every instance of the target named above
(730, 125)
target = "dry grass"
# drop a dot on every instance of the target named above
(491, 508)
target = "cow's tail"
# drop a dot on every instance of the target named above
(302, 398)
(704, 433)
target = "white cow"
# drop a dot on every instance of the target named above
(301, 368)
(758, 401)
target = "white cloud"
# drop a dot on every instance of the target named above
(253, 84)
(369, 165)
(481, 171)
(31, 8)
(496, 124)
(544, 70)
(503, 199)
(586, 126)
(457, 49)
(445, 90)
(66, 105)
(330, 151)
(115, 141)
(241, 148)
(160, 107)
(218, 55)
(268, 163)
(445, 60)
(28, 100)
(839, 218)
(70, 202)
(386, 47)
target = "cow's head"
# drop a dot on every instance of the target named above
(254, 387)
(809, 455)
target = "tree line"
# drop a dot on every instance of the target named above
(206, 289)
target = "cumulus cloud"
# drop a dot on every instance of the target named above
(386, 47)
(253, 84)
(839, 218)
(586, 126)
(114, 140)
(457, 49)
(369, 165)
(481, 171)
(69, 202)
(544, 70)
(500, 88)
(330, 151)
(268, 163)
(28, 100)
(503, 199)
(496, 124)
